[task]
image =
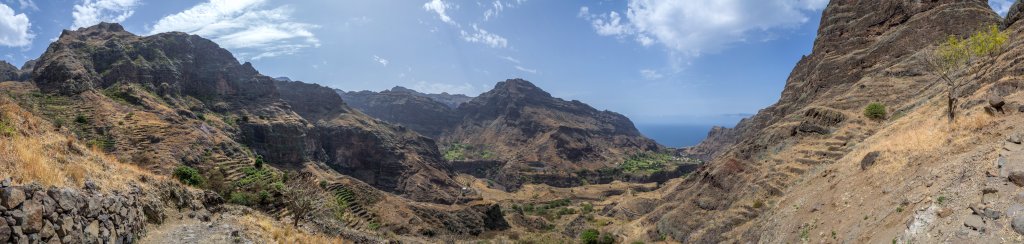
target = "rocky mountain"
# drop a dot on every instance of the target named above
(797, 165)
(8, 72)
(523, 124)
(174, 104)
(408, 108)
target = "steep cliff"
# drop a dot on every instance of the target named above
(406, 107)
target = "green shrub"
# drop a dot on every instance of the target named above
(875, 111)
(587, 207)
(941, 199)
(81, 119)
(590, 236)
(6, 129)
(241, 198)
(259, 162)
(189, 176)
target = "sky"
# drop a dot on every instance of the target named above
(659, 62)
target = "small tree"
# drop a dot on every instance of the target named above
(954, 59)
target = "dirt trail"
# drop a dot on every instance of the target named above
(224, 229)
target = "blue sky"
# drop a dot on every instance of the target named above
(656, 61)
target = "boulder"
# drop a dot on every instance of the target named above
(1018, 224)
(33, 217)
(1017, 177)
(869, 160)
(975, 222)
(5, 231)
(997, 103)
(11, 197)
(1014, 138)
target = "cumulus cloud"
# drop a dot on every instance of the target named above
(14, 28)
(695, 26)
(440, 7)
(480, 35)
(91, 12)
(248, 26)
(1001, 6)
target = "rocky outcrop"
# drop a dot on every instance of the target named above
(389, 157)
(8, 72)
(406, 107)
(34, 214)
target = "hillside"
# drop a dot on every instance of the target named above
(813, 168)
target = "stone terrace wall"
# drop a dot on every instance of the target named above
(34, 214)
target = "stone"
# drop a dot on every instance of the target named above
(93, 230)
(1017, 177)
(997, 103)
(47, 231)
(6, 182)
(11, 197)
(1018, 224)
(992, 213)
(869, 160)
(975, 222)
(1021, 108)
(91, 186)
(944, 212)
(1014, 210)
(1014, 138)
(5, 231)
(988, 198)
(33, 217)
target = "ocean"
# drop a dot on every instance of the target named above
(677, 136)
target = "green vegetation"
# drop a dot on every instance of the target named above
(875, 111)
(549, 210)
(587, 207)
(758, 203)
(458, 151)
(259, 162)
(242, 198)
(189, 176)
(6, 129)
(105, 143)
(81, 119)
(648, 162)
(593, 236)
(941, 199)
(954, 59)
(899, 209)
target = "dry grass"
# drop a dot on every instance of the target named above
(276, 232)
(36, 152)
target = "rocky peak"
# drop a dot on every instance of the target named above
(1015, 14)
(101, 31)
(517, 88)
(402, 89)
(7, 71)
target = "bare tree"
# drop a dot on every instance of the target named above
(301, 199)
(955, 58)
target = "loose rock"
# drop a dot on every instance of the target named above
(869, 160)
(975, 222)
(1018, 224)
(11, 197)
(1017, 177)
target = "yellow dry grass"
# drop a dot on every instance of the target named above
(277, 232)
(36, 152)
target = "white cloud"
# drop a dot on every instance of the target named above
(28, 4)
(651, 74)
(245, 25)
(510, 59)
(14, 28)
(531, 71)
(1001, 6)
(695, 26)
(91, 12)
(480, 35)
(440, 7)
(496, 7)
(380, 60)
(430, 87)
